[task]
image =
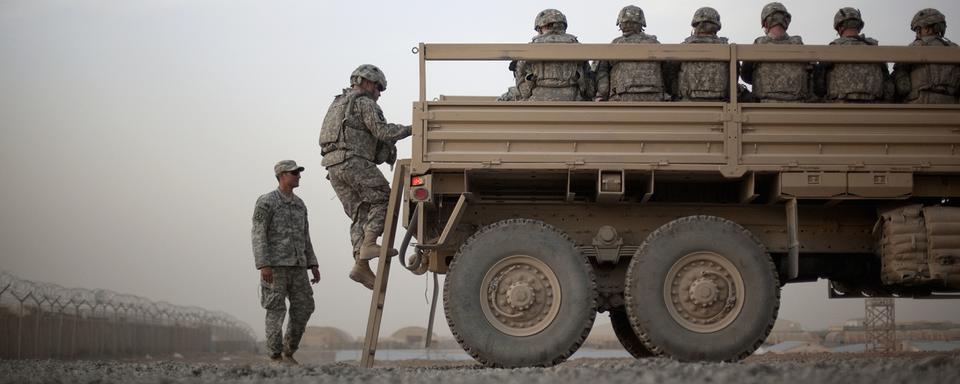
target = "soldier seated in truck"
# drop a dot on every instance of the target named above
(554, 80)
(852, 82)
(777, 82)
(632, 80)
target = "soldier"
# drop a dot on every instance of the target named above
(354, 138)
(928, 83)
(777, 82)
(282, 252)
(632, 80)
(512, 93)
(704, 80)
(554, 80)
(857, 83)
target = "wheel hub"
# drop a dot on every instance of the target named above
(703, 292)
(520, 295)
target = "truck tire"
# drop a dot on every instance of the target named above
(519, 293)
(624, 331)
(702, 288)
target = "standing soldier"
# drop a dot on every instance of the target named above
(282, 252)
(354, 138)
(632, 80)
(554, 80)
(704, 80)
(856, 83)
(777, 82)
(928, 83)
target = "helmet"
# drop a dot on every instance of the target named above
(548, 16)
(371, 73)
(844, 14)
(927, 17)
(772, 8)
(706, 14)
(632, 14)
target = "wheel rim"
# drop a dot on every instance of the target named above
(703, 292)
(520, 295)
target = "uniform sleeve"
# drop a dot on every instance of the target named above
(262, 214)
(311, 256)
(373, 119)
(603, 79)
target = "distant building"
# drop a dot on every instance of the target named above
(327, 338)
(786, 330)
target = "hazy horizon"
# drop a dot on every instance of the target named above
(137, 135)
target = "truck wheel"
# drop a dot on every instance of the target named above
(624, 331)
(702, 288)
(518, 293)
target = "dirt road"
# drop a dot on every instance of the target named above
(807, 369)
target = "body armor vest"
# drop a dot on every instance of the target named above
(781, 81)
(636, 76)
(863, 82)
(343, 134)
(704, 79)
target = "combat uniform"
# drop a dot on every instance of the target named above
(281, 241)
(778, 82)
(632, 80)
(928, 83)
(855, 82)
(354, 138)
(704, 80)
(554, 80)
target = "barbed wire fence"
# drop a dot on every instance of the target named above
(47, 321)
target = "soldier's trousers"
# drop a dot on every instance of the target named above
(364, 193)
(925, 97)
(289, 283)
(555, 94)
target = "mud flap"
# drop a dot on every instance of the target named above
(903, 246)
(943, 244)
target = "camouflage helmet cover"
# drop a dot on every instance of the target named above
(844, 14)
(371, 73)
(927, 17)
(706, 14)
(632, 14)
(548, 16)
(772, 8)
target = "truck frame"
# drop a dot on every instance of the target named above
(682, 220)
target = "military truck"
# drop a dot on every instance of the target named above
(681, 220)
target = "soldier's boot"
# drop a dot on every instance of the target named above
(276, 358)
(362, 273)
(289, 360)
(369, 249)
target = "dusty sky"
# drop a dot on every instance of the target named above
(135, 136)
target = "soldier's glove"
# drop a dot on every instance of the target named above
(386, 153)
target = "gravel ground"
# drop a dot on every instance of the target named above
(820, 368)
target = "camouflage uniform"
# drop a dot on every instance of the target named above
(350, 147)
(281, 241)
(928, 83)
(632, 80)
(554, 80)
(704, 80)
(845, 82)
(778, 82)
(855, 82)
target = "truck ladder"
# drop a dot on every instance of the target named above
(383, 266)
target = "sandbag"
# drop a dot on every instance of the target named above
(943, 244)
(903, 246)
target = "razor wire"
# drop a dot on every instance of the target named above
(45, 320)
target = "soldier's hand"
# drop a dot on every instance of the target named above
(266, 274)
(316, 275)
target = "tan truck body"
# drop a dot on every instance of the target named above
(820, 186)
